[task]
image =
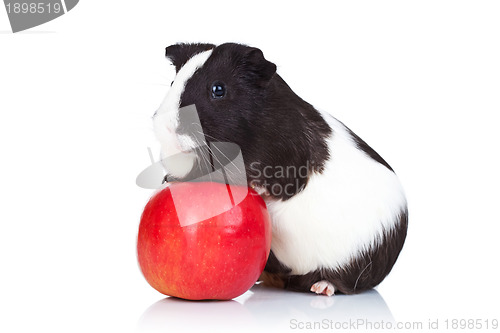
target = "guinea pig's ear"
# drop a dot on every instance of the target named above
(179, 54)
(262, 69)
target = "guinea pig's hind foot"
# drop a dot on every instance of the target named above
(323, 287)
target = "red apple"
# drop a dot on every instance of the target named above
(204, 240)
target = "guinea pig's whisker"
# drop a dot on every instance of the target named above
(198, 161)
(211, 137)
(203, 159)
(214, 138)
(229, 173)
(227, 158)
(208, 158)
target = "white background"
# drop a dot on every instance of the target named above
(419, 81)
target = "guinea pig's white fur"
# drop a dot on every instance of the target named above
(361, 198)
(166, 121)
(348, 195)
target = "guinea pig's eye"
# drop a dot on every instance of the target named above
(218, 90)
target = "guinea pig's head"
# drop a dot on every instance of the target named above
(226, 84)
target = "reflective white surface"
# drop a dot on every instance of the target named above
(262, 309)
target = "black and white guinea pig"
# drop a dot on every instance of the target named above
(339, 214)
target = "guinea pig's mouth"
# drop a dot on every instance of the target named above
(188, 152)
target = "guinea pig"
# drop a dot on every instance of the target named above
(339, 213)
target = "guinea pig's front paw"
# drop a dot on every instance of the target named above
(169, 180)
(323, 287)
